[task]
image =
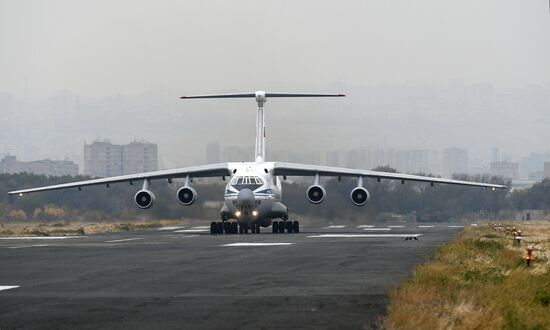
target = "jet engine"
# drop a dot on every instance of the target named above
(186, 195)
(359, 196)
(144, 199)
(316, 194)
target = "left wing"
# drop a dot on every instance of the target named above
(291, 169)
(212, 170)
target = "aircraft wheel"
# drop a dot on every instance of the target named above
(220, 228)
(275, 227)
(258, 230)
(227, 227)
(289, 227)
(281, 227)
(213, 228)
(241, 228)
(296, 227)
(234, 228)
(246, 228)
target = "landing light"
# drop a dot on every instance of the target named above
(494, 188)
(238, 213)
(20, 194)
(254, 213)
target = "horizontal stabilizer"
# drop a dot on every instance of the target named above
(253, 95)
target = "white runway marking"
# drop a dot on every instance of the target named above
(334, 227)
(365, 226)
(426, 226)
(453, 226)
(363, 235)
(171, 228)
(377, 229)
(27, 246)
(190, 230)
(396, 226)
(201, 227)
(182, 236)
(474, 225)
(7, 287)
(42, 237)
(257, 244)
(124, 240)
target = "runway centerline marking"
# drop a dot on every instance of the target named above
(27, 246)
(366, 226)
(190, 230)
(124, 240)
(363, 235)
(453, 226)
(334, 227)
(396, 226)
(201, 227)
(171, 228)
(256, 244)
(377, 229)
(7, 287)
(41, 237)
(426, 226)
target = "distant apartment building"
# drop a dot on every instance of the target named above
(505, 169)
(237, 154)
(103, 159)
(454, 161)
(10, 165)
(546, 170)
(212, 153)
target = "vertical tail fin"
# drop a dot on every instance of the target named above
(261, 98)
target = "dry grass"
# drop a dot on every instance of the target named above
(77, 228)
(479, 281)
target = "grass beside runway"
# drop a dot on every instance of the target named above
(15, 229)
(479, 281)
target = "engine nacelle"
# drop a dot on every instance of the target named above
(359, 196)
(316, 194)
(186, 195)
(144, 199)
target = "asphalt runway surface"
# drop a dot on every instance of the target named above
(334, 277)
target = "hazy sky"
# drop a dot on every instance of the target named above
(99, 48)
(126, 63)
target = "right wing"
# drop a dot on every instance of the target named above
(292, 169)
(213, 170)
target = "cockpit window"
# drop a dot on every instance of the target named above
(250, 182)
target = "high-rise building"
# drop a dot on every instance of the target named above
(139, 157)
(505, 169)
(454, 161)
(103, 159)
(10, 165)
(547, 170)
(212, 153)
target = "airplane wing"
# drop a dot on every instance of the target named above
(213, 170)
(291, 169)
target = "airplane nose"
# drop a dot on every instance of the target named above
(245, 197)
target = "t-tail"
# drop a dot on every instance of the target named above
(261, 98)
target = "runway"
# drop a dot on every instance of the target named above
(181, 277)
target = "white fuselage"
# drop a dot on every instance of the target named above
(253, 194)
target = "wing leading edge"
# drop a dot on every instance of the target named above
(291, 169)
(213, 170)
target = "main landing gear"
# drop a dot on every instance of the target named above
(279, 227)
(233, 228)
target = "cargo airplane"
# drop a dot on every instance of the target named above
(253, 190)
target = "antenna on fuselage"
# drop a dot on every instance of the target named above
(261, 98)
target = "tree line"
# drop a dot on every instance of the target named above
(429, 203)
